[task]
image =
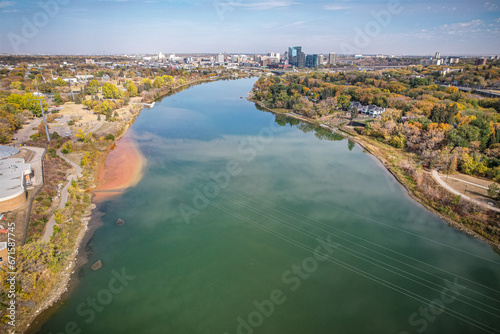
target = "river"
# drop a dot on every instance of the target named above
(248, 222)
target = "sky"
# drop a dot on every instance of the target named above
(408, 27)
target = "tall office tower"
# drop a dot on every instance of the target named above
(332, 58)
(438, 55)
(296, 57)
(312, 61)
(220, 58)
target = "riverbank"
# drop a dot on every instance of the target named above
(389, 158)
(129, 176)
(123, 168)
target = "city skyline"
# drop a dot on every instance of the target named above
(240, 26)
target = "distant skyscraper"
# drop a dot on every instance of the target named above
(438, 55)
(220, 58)
(332, 58)
(480, 61)
(312, 61)
(296, 57)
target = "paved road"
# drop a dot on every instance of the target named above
(436, 177)
(97, 126)
(49, 230)
(474, 184)
(36, 164)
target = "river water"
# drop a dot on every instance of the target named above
(247, 222)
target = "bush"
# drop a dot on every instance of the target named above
(52, 152)
(493, 191)
(110, 137)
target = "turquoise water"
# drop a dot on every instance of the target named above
(246, 222)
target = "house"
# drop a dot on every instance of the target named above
(371, 110)
(356, 105)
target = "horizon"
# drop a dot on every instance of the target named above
(117, 27)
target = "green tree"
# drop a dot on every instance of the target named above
(464, 135)
(493, 191)
(344, 101)
(92, 87)
(57, 98)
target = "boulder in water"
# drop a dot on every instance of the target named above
(97, 265)
(120, 222)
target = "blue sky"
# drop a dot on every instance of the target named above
(419, 27)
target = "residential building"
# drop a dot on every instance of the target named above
(370, 110)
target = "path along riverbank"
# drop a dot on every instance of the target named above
(107, 186)
(373, 151)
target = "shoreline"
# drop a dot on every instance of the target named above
(78, 259)
(123, 168)
(361, 142)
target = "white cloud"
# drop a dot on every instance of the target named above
(335, 7)
(262, 5)
(462, 27)
(10, 11)
(490, 6)
(4, 4)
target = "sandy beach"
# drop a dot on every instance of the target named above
(124, 168)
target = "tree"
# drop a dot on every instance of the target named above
(16, 85)
(110, 91)
(60, 82)
(493, 191)
(93, 87)
(147, 83)
(354, 113)
(58, 99)
(28, 101)
(158, 82)
(467, 164)
(464, 135)
(344, 101)
(452, 168)
(132, 89)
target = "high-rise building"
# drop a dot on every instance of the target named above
(480, 61)
(438, 55)
(296, 57)
(220, 58)
(312, 61)
(332, 58)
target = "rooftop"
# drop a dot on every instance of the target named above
(12, 172)
(7, 151)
